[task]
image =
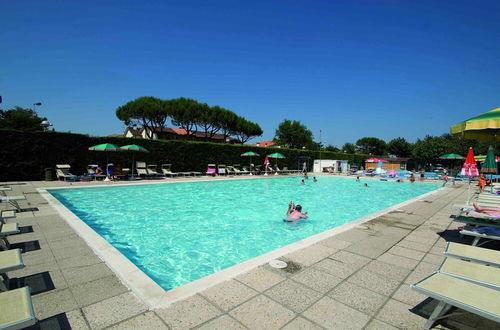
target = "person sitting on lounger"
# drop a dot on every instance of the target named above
(99, 171)
(492, 211)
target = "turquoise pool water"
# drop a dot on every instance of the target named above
(179, 232)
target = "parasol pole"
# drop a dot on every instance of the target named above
(250, 165)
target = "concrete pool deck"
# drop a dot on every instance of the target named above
(357, 279)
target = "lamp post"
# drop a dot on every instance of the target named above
(36, 104)
(320, 145)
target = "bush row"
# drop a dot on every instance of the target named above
(25, 155)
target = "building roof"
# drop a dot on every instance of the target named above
(137, 132)
(264, 144)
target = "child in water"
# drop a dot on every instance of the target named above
(314, 179)
(302, 181)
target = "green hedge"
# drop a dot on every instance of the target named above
(25, 155)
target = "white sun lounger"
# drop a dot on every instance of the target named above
(17, 309)
(478, 236)
(473, 253)
(451, 291)
(6, 230)
(472, 272)
(10, 260)
(7, 215)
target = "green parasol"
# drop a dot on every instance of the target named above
(451, 157)
(250, 154)
(489, 165)
(134, 147)
(106, 147)
(276, 156)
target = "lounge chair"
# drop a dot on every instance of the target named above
(476, 221)
(12, 199)
(167, 170)
(7, 215)
(142, 170)
(249, 170)
(151, 169)
(195, 173)
(473, 254)
(17, 309)
(91, 172)
(62, 172)
(222, 170)
(451, 291)
(211, 170)
(472, 272)
(6, 230)
(10, 260)
(239, 170)
(231, 170)
(478, 236)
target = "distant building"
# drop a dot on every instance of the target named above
(390, 164)
(265, 144)
(174, 133)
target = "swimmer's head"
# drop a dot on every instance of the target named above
(298, 208)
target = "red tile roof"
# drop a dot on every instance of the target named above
(264, 144)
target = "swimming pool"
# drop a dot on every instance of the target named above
(179, 232)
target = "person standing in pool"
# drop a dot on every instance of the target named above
(295, 212)
(422, 174)
(412, 178)
(314, 179)
(302, 182)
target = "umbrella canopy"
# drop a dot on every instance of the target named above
(485, 127)
(134, 147)
(105, 147)
(489, 166)
(470, 168)
(276, 155)
(249, 154)
(482, 158)
(375, 160)
(451, 156)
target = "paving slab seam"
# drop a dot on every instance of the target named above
(402, 283)
(128, 319)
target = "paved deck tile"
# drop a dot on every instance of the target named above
(332, 314)
(374, 282)
(223, 322)
(260, 279)
(398, 260)
(113, 310)
(188, 313)
(311, 255)
(398, 314)
(387, 270)
(301, 323)
(357, 297)
(76, 320)
(293, 295)
(95, 291)
(317, 279)
(147, 321)
(53, 303)
(262, 313)
(229, 294)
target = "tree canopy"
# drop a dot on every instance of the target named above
(400, 147)
(371, 146)
(21, 119)
(189, 114)
(349, 148)
(292, 134)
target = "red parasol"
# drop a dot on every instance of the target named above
(470, 168)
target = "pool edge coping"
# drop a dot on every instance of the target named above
(152, 294)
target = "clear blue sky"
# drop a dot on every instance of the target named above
(349, 68)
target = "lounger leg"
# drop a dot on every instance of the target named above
(4, 282)
(476, 239)
(440, 309)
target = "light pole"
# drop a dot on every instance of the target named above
(36, 104)
(320, 147)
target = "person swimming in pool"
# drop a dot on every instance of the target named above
(302, 181)
(294, 213)
(314, 179)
